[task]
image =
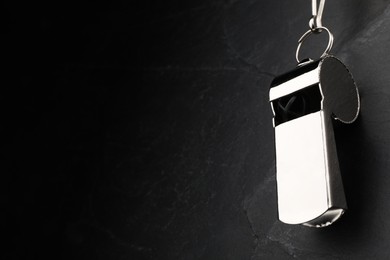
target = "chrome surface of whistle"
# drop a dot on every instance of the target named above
(304, 103)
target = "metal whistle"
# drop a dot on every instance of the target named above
(304, 103)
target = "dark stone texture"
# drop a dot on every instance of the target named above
(143, 130)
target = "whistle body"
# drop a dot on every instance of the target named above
(305, 102)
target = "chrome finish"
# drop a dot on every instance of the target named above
(315, 22)
(309, 184)
(310, 32)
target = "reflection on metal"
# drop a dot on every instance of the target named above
(316, 19)
(305, 101)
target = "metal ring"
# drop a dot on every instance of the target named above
(310, 32)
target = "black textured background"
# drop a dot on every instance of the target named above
(142, 130)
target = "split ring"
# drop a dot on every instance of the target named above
(310, 32)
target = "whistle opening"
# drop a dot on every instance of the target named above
(297, 104)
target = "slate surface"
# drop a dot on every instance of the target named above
(143, 130)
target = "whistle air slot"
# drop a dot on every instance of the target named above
(297, 104)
